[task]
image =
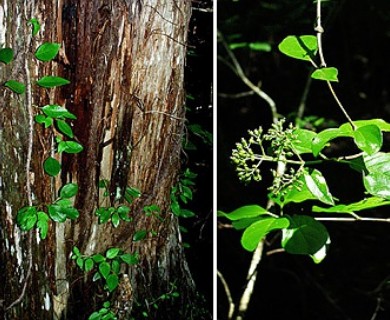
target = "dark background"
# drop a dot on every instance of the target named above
(353, 280)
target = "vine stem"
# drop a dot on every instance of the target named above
(320, 30)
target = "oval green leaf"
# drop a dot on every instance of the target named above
(369, 138)
(70, 147)
(139, 235)
(115, 220)
(378, 184)
(6, 55)
(365, 204)
(305, 235)
(129, 258)
(51, 166)
(15, 86)
(244, 212)
(104, 269)
(88, 265)
(56, 213)
(112, 253)
(52, 81)
(69, 190)
(112, 282)
(299, 47)
(327, 74)
(56, 111)
(65, 128)
(98, 258)
(258, 230)
(26, 218)
(47, 51)
(317, 185)
(36, 26)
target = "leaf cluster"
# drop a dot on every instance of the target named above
(107, 266)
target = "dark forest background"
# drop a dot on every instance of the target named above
(353, 282)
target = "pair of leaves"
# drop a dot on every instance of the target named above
(301, 234)
(28, 217)
(114, 214)
(305, 48)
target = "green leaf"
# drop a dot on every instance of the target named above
(56, 213)
(104, 269)
(112, 282)
(71, 213)
(298, 193)
(115, 266)
(112, 253)
(260, 46)
(368, 138)
(26, 218)
(6, 55)
(323, 137)
(76, 251)
(303, 141)
(65, 128)
(47, 51)
(327, 74)
(56, 111)
(15, 86)
(258, 230)
(104, 214)
(305, 235)
(80, 262)
(64, 203)
(316, 183)
(52, 81)
(94, 316)
(69, 190)
(51, 166)
(98, 258)
(185, 213)
(380, 123)
(378, 184)
(299, 47)
(41, 119)
(139, 235)
(36, 26)
(70, 147)
(96, 277)
(320, 255)
(131, 193)
(123, 212)
(115, 220)
(88, 265)
(377, 162)
(364, 204)
(106, 304)
(42, 224)
(129, 258)
(244, 212)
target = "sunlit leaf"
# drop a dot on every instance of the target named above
(56, 111)
(112, 253)
(26, 218)
(112, 282)
(104, 269)
(317, 185)
(299, 47)
(305, 235)
(65, 128)
(365, 204)
(35, 26)
(303, 141)
(369, 138)
(244, 212)
(258, 230)
(327, 74)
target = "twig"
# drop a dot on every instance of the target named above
(320, 30)
(302, 103)
(357, 218)
(228, 295)
(236, 95)
(237, 69)
(379, 301)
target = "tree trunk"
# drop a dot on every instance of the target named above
(125, 60)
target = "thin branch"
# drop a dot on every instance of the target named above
(236, 67)
(302, 103)
(320, 30)
(228, 295)
(357, 218)
(236, 95)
